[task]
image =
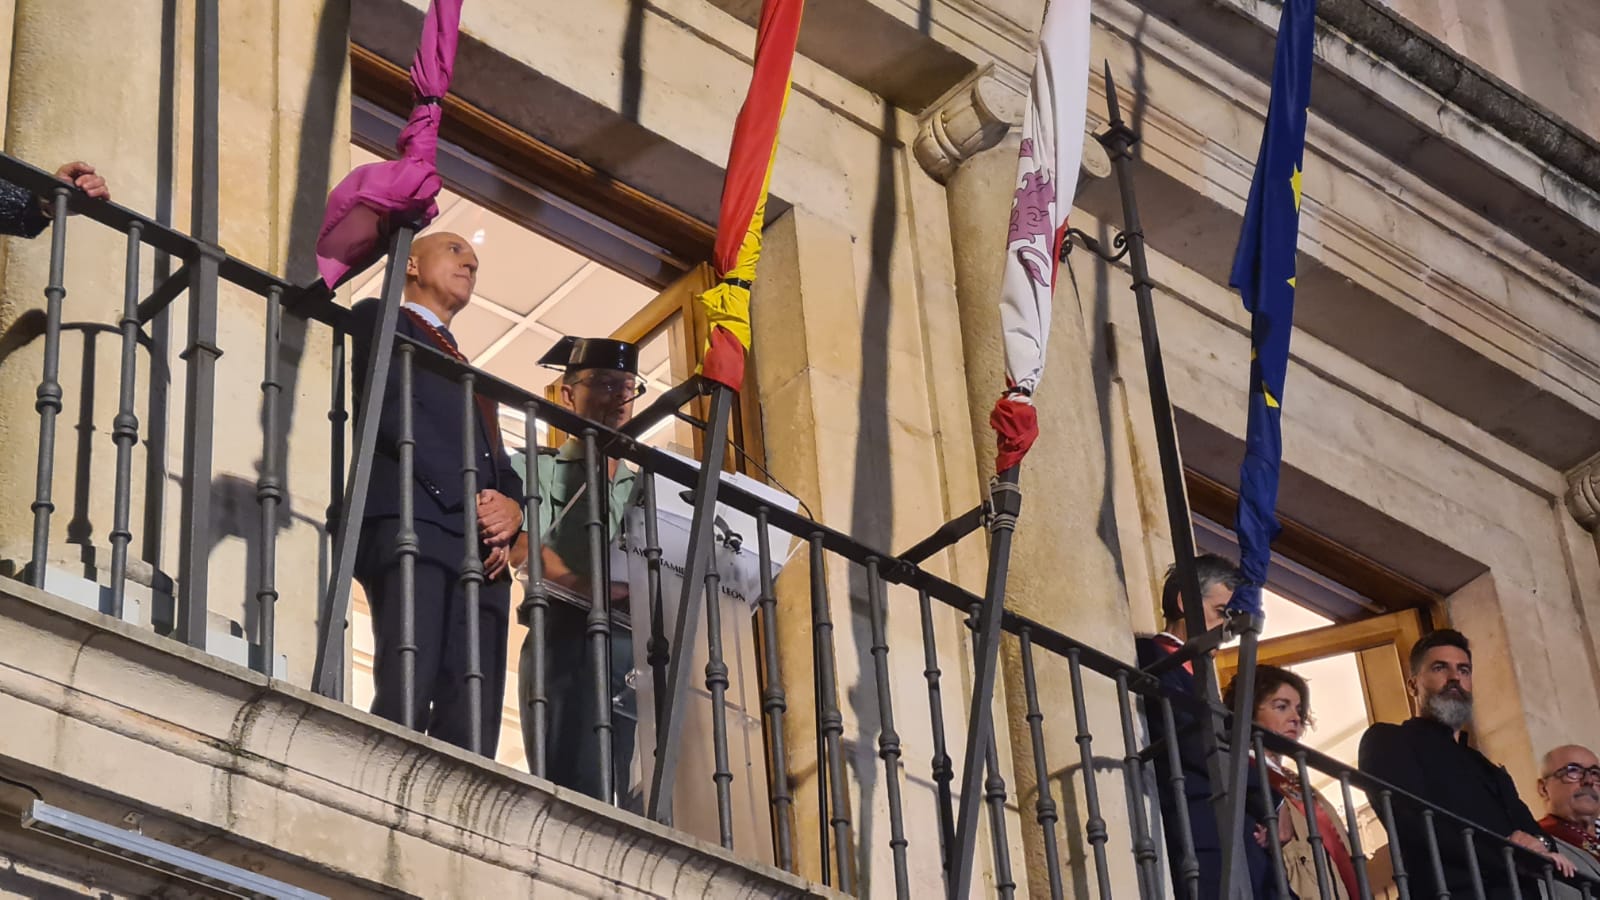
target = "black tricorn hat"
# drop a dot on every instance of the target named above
(572, 354)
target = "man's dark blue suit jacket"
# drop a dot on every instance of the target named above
(438, 408)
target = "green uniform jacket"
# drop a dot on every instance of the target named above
(560, 481)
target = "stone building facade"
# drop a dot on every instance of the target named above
(1441, 423)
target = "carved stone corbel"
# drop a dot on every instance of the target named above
(968, 120)
(1583, 494)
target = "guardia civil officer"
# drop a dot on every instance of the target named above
(600, 381)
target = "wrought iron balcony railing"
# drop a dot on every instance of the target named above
(1144, 769)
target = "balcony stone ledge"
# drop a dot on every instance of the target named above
(116, 722)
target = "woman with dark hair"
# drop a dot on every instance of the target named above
(1283, 707)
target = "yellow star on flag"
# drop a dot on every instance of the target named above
(1294, 182)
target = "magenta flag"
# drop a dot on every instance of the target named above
(373, 198)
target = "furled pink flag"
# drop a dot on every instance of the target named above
(373, 198)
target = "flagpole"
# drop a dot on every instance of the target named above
(670, 729)
(1005, 497)
(1118, 140)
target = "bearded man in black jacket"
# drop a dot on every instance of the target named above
(1428, 756)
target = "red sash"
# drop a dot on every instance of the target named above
(1572, 834)
(487, 408)
(1172, 645)
(1332, 836)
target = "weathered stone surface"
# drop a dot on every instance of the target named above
(260, 773)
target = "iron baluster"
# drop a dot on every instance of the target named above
(1045, 804)
(598, 630)
(269, 487)
(942, 767)
(1469, 838)
(471, 563)
(1433, 853)
(994, 794)
(888, 737)
(1189, 862)
(773, 702)
(1402, 882)
(1358, 855)
(1095, 827)
(535, 608)
(832, 721)
(48, 396)
(1144, 845)
(1510, 857)
(658, 652)
(1319, 849)
(1270, 818)
(407, 548)
(717, 686)
(125, 428)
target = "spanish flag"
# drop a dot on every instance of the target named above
(744, 193)
(1263, 273)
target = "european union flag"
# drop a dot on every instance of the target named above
(1263, 273)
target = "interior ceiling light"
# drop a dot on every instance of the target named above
(158, 855)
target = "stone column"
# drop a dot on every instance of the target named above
(283, 122)
(1064, 568)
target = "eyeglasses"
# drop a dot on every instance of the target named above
(611, 387)
(1574, 773)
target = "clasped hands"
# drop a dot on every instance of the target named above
(499, 523)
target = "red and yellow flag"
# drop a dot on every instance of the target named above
(744, 193)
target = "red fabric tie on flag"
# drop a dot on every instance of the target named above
(1016, 426)
(367, 204)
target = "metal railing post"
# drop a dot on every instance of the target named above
(888, 737)
(700, 536)
(48, 402)
(201, 353)
(1119, 140)
(941, 765)
(125, 427)
(1006, 499)
(773, 700)
(1044, 804)
(535, 608)
(471, 563)
(328, 679)
(269, 485)
(407, 547)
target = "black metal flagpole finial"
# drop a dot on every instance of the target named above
(1118, 137)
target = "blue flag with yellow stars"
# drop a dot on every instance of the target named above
(1263, 273)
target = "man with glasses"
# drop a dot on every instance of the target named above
(1570, 785)
(600, 382)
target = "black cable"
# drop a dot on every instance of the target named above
(701, 424)
(27, 787)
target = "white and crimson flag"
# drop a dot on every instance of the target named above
(1047, 175)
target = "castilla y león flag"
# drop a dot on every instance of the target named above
(1047, 175)
(744, 193)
